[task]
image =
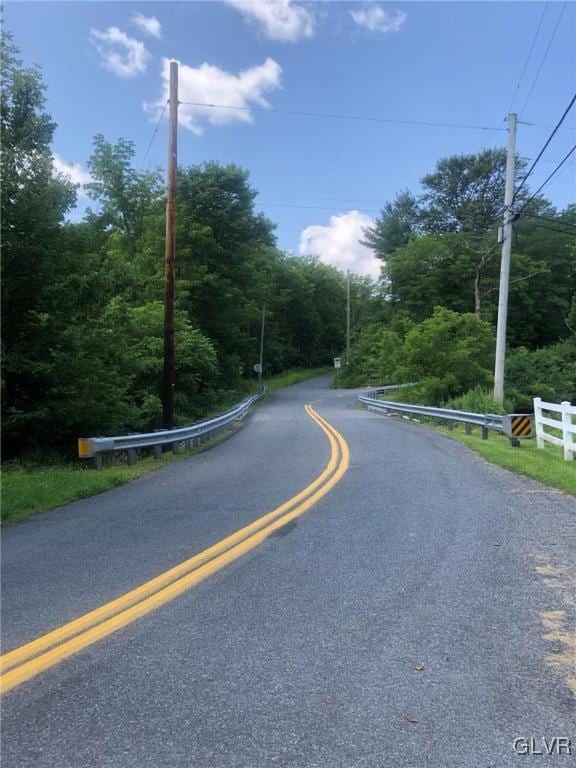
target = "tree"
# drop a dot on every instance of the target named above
(34, 203)
(397, 222)
(126, 196)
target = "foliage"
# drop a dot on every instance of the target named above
(549, 373)
(82, 302)
(31, 486)
(480, 400)
(444, 355)
(82, 309)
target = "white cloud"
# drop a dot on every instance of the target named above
(339, 243)
(279, 19)
(72, 171)
(208, 84)
(148, 24)
(376, 19)
(120, 53)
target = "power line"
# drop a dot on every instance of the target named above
(528, 57)
(555, 229)
(552, 36)
(561, 222)
(550, 177)
(341, 117)
(313, 207)
(154, 132)
(548, 140)
(334, 199)
(545, 160)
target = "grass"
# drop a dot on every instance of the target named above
(28, 489)
(546, 465)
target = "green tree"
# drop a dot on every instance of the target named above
(34, 203)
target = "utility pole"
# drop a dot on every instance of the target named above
(168, 382)
(262, 342)
(505, 263)
(347, 316)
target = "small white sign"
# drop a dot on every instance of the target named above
(337, 362)
(257, 367)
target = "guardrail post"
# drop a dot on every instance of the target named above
(515, 442)
(567, 436)
(132, 456)
(484, 433)
(157, 451)
(176, 447)
(468, 428)
(450, 424)
(98, 461)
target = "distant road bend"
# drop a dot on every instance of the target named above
(351, 591)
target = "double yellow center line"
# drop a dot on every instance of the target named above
(29, 660)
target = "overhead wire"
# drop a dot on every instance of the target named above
(335, 116)
(528, 57)
(545, 146)
(154, 132)
(549, 177)
(518, 84)
(550, 41)
(549, 219)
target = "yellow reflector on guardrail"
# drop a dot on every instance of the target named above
(85, 448)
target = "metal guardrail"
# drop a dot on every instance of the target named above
(485, 421)
(94, 447)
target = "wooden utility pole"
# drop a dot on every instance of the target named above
(347, 316)
(505, 263)
(168, 382)
(260, 372)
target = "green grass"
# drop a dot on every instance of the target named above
(28, 489)
(546, 465)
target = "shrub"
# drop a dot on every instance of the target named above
(480, 400)
(549, 373)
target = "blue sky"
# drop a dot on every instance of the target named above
(321, 180)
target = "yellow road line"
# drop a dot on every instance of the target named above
(110, 617)
(24, 652)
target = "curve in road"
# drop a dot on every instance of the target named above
(29, 660)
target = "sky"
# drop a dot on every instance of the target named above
(321, 180)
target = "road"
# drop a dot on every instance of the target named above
(420, 614)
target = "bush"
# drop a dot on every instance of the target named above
(480, 400)
(549, 373)
(446, 354)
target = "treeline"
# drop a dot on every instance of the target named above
(83, 302)
(440, 274)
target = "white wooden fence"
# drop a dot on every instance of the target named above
(563, 423)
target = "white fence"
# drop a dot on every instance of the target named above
(563, 423)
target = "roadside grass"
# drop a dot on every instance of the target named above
(546, 465)
(30, 488)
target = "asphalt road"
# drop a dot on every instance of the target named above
(426, 586)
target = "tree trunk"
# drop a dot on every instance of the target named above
(477, 294)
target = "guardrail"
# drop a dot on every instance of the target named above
(564, 424)
(94, 447)
(485, 421)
